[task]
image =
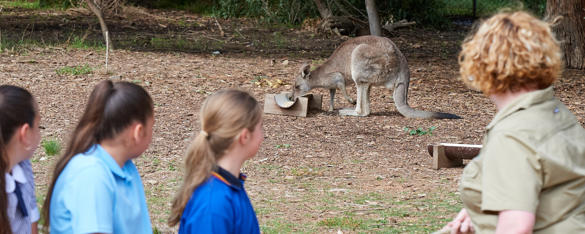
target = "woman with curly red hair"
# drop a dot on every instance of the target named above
(530, 174)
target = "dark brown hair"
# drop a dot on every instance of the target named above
(223, 116)
(110, 109)
(16, 108)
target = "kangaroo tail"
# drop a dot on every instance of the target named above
(409, 112)
(400, 100)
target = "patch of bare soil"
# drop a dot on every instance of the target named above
(310, 172)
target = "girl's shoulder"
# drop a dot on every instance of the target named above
(214, 185)
(26, 166)
(212, 191)
(84, 167)
(210, 197)
(84, 161)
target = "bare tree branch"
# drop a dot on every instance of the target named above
(100, 17)
(356, 9)
(324, 11)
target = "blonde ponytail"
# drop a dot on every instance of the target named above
(202, 161)
(223, 116)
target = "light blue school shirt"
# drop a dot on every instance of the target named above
(94, 195)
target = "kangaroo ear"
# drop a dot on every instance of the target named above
(305, 70)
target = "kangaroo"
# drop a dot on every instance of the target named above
(368, 61)
(321, 78)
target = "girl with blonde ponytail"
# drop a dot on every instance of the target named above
(95, 186)
(212, 198)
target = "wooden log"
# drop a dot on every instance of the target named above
(451, 155)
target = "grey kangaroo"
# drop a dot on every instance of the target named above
(368, 61)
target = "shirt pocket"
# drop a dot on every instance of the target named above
(471, 170)
(470, 179)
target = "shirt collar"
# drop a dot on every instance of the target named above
(103, 155)
(17, 175)
(522, 102)
(229, 179)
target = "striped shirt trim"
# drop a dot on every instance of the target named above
(213, 173)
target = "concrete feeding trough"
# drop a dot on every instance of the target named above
(281, 104)
(451, 155)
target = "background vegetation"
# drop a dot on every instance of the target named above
(435, 13)
(346, 207)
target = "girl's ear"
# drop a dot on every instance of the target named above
(22, 134)
(244, 136)
(138, 132)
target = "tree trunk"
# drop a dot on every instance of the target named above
(373, 19)
(100, 17)
(570, 30)
(323, 9)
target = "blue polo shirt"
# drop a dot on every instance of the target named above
(94, 195)
(220, 205)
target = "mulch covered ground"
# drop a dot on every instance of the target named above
(310, 172)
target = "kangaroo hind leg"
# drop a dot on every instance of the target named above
(362, 107)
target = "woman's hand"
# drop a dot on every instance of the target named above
(461, 224)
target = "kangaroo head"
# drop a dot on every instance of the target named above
(302, 84)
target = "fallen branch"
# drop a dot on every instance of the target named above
(221, 33)
(212, 38)
(402, 23)
(239, 33)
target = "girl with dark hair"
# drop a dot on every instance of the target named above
(212, 198)
(19, 138)
(95, 186)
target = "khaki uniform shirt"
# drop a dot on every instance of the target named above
(533, 160)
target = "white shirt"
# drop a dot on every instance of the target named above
(23, 174)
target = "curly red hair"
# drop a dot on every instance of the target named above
(508, 52)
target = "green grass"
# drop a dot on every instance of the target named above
(51, 147)
(23, 45)
(18, 46)
(350, 223)
(348, 209)
(286, 146)
(75, 70)
(379, 212)
(279, 40)
(172, 167)
(79, 43)
(203, 7)
(278, 225)
(484, 7)
(183, 44)
(419, 131)
(370, 197)
(21, 4)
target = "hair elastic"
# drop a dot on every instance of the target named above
(205, 134)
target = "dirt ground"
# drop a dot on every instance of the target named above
(322, 173)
